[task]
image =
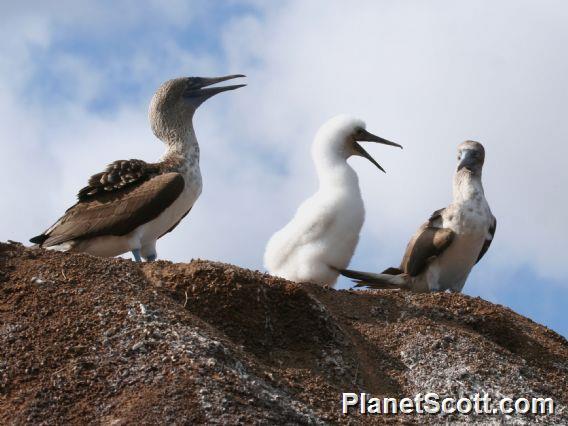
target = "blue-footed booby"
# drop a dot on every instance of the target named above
(132, 203)
(322, 236)
(443, 251)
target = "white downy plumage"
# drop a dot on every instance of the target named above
(321, 238)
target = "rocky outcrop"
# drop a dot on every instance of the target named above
(109, 341)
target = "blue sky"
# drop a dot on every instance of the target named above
(76, 79)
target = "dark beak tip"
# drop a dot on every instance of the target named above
(231, 77)
(236, 86)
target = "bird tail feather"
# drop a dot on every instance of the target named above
(39, 239)
(371, 280)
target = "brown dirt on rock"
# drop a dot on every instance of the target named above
(109, 341)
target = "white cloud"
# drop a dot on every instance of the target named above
(425, 75)
(428, 75)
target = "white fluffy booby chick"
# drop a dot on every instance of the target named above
(132, 203)
(322, 236)
(443, 251)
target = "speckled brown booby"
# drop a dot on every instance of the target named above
(130, 205)
(443, 251)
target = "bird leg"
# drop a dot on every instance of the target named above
(136, 254)
(151, 257)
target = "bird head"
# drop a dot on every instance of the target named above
(342, 135)
(174, 103)
(471, 156)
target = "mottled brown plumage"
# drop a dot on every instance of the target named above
(429, 241)
(132, 203)
(116, 212)
(118, 175)
(442, 252)
(488, 241)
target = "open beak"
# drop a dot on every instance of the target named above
(202, 90)
(365, 136)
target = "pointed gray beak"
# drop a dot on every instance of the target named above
(365, 136)
(201, 90)
(467, 160)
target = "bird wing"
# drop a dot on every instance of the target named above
(115, 211)
(392, 271)
(302, 230)
(177, 223)
(118, 175)
(488, 240)
(316, 229)
(308, 226)
(427, 243)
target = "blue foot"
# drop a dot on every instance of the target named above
(136, 254)
(152, 257)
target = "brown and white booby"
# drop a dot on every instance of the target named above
(132, 203)
(443, 251)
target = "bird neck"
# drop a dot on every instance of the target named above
(334, 173)
(182, 149)
(467, 186)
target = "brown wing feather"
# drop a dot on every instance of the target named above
(117, 176)
(435, 218)
(118, 212)
(392, 271)
(177, 223)
(488, 241)
(428, 242)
